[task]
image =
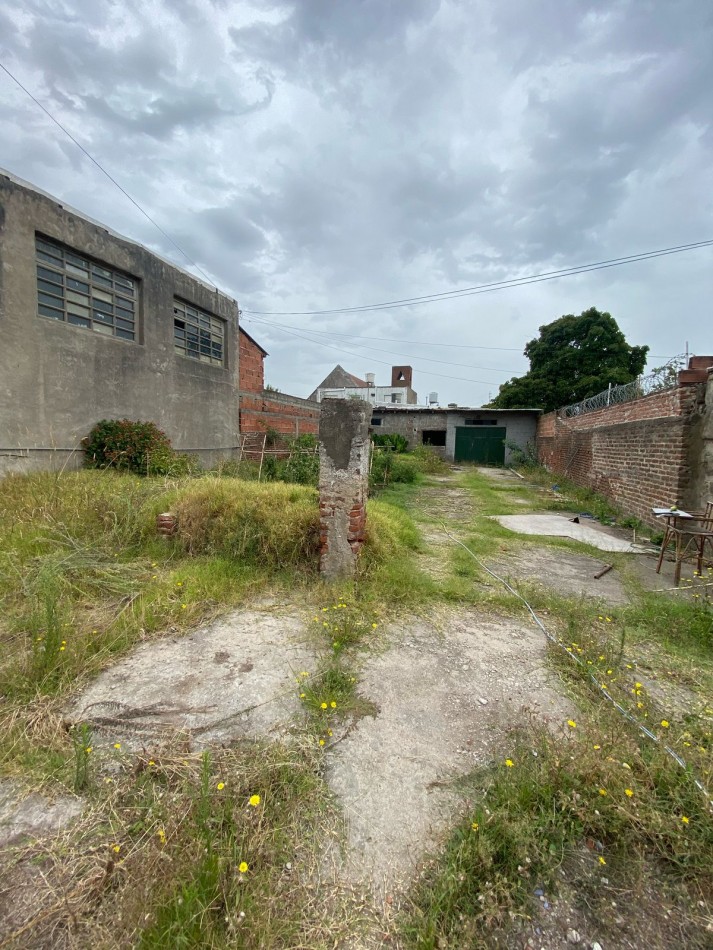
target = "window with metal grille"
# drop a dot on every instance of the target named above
(197, 334)
(80, 291)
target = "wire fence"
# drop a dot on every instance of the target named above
(658, 381)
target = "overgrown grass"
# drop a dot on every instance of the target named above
(190, 850)
(596, 790)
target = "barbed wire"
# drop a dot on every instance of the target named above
(662, 379)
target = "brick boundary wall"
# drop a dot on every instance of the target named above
(287, 415)
(639, 454)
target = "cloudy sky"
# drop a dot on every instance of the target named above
(324, 154)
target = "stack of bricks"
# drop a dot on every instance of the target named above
(343, 483)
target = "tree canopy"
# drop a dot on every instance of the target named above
(573, 358)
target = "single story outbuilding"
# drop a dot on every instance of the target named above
(460, 434)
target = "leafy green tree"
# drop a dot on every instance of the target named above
(573, 358)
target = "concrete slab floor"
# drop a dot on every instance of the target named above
(448, 690)
(569, 574)
(560, 526)
(232, 678)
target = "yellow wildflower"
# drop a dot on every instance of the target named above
(323, 705)
(665, 723)
(571, 723)
(684, 819)
(602, 860)
(509, 763)
(333, 704)
(117, 745)
(116, 848)
(220, 786)
(254, 800)
(242, 867)
(602, 791)
(628, 792)
(475, 826)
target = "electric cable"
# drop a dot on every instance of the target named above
(494, 285)
(602, 689)
(107, 174)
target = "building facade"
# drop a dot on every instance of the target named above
(484, 436)
(96, 326)
(340, 384)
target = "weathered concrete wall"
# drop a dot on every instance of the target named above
(57, 380)
(343, 483)
(700, 452)
(644, 454)
(521, 427)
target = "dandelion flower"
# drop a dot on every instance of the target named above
(321, 741)
(597, 747)
(684, 819)
(628, 792)
(88, 749)
(116, 848)
(665, 723)
(475, 826)
(302, 695)
(602, 860)
(183, 606)
(254, 800)
(509, 763)
(151, 762)
(323, 706)
(602, 791)
(374, 626)
(243, 866)
(571, 723)
(117, 745)
(333, 704)
(220, 786)
(161, 835)
(62, 649)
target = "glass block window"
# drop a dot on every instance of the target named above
(197, 334)
(79, 291)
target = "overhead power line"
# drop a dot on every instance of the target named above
(373, 349)
(103, 170)
(493, 285)
(423, 372)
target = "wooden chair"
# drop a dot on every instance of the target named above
(689, 532)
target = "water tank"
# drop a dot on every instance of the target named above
(432, 398)
(370, 377)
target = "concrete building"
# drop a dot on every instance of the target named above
(340, 384)
(486, 436)
(96, 326)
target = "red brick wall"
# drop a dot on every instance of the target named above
(251, 369)
(635, 453)
(262, 409)
(285, 414)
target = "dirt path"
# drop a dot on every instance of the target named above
(449, 686)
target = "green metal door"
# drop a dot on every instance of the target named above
(484, 445)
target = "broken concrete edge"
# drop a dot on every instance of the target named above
(343, 483)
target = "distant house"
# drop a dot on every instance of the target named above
(340, 384)
(460, 434)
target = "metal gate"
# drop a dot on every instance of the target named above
(486, 446)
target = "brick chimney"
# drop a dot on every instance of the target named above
(401, 376)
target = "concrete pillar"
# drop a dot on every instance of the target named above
(344, 448)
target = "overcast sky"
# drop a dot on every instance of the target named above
(322, 154)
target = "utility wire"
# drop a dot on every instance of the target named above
(423, 372)
(428, 359)
(493, 286)
(387, 339)
(107, 174)
(595, 682)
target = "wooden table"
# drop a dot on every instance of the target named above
(689, 534)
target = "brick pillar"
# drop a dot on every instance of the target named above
(344, 447)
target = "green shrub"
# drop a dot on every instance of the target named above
(390, 440)
(302, 467)
(139, 447)
(427, 460)
(387, 467)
